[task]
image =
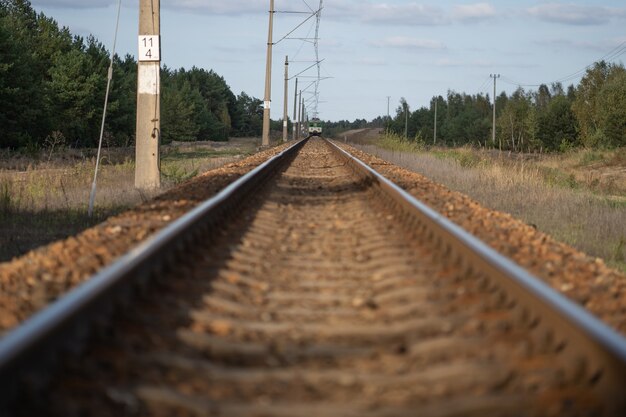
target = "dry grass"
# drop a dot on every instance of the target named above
(586, 216)
(44, 200)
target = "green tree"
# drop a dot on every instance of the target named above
(611, 104)
(248, 116)
(177, 113)
(122, 111)
(513, 128)
(556, 125)
(588, 103)
(22, 103)
(218, 100)
(542, 97)
(76, 97)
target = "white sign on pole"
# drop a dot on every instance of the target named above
(149, 48)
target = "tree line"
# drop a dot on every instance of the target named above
(553, 118)
(52, 88)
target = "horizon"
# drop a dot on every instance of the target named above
(371, 50)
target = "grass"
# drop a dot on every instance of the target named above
(550, 192)
(44, 199)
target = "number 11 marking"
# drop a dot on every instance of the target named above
(149, 48)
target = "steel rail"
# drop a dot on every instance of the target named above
(592, 351)
(30, 350)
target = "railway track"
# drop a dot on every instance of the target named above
(319, 289)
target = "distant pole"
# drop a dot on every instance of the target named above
(435, 132)
(406, 120)
(285, 115)
(302, 114)
(268, 81)
(493, 128)
(302, 109)
(295, 111)
(148, 128)
(299, 113)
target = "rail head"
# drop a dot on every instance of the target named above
(588, 336)
(35, 343)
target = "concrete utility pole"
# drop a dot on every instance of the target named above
(302, 115)
(148, 131)
(267, 101)
(435, 132)
(285, 115)
(299, 114)
(295, 111)
(493, 129)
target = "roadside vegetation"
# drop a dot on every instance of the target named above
(578, 197)
(44, 197)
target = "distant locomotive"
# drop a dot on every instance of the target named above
(315, 127)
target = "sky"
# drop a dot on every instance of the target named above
(371, 50)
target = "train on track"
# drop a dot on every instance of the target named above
(315, 127)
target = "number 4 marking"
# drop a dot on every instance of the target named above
(149, 48)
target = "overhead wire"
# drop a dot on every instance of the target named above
(296, 28)
(484, 84)
(303, 43)
(613, 54)
(307, 5)
(314, 13)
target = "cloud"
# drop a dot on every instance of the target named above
(449, 63)
(600, 46)
(409, 43)
(74, 4)
(217, 7)
(369, 12)
(473, 12)
(372, 62)
(220, 7)
(572, 14)
(406, 14)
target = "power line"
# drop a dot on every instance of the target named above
(298, 75)
(317, 58)
(298, 27)
(484, 84)
(609, 56)
(307, 5)
(303, 43)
